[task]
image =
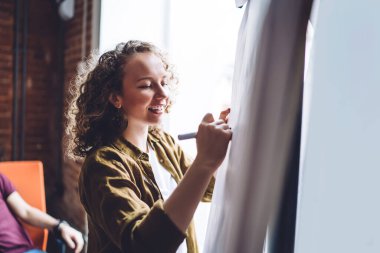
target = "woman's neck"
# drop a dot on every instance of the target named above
(137, 135)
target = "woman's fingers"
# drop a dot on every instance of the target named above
(223, 118)
(208, 118)
(219, 122)
(225, 114)
(223, 126)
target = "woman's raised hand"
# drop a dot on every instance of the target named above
(213, 137)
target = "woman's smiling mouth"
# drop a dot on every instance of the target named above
(157, 108)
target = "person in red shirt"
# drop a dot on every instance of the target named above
(13, 237)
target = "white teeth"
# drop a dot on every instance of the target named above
(157, 107)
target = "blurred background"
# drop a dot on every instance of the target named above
(43, 41)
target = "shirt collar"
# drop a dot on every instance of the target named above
(127, 147)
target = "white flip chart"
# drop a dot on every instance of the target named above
(267, 93)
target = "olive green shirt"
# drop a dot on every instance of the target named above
(123, 202)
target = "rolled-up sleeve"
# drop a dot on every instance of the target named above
(185, 163)
(114, 205)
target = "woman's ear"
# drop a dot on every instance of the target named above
(115, 100)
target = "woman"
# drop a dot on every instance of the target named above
(128, 182)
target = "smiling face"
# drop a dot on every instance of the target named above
(144, 95)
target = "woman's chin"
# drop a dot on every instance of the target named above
(155, 122)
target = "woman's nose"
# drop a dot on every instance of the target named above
(162, 92)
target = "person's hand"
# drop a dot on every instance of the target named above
(213, 138)
(225, 114)
(72, 237)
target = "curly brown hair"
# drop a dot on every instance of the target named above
(92, 121)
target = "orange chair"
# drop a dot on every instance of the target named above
(28, 178)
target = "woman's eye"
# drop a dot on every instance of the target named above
(145, 86)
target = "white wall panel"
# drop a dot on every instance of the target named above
(339, 203)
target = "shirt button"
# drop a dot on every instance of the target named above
(161, 160)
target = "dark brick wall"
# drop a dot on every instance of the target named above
(43, 92)
(43, 88)
(54, 50)
(6, 77)
(76, 30)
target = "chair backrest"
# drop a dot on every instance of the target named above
(28, 178)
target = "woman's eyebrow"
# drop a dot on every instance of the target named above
(150, 77)
(143, 78)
